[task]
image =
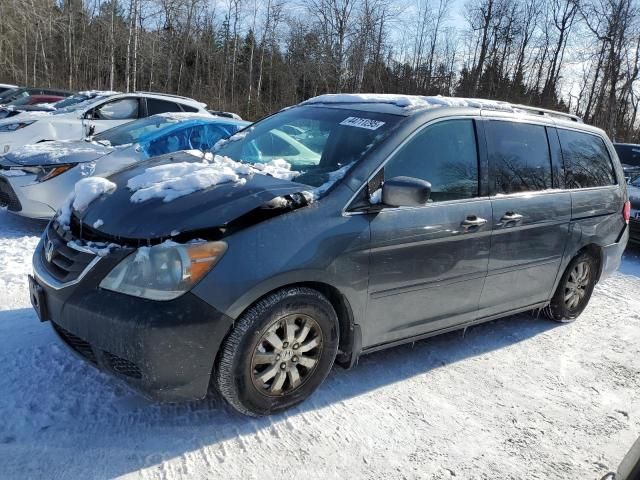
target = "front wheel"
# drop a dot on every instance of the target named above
(574, 290)
(279, 352)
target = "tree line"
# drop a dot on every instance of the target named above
(256, 56)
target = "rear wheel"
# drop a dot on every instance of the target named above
(279, 352)
(574, 290)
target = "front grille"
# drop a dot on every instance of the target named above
(63, 262)
(122, 366)
(76, 343)
(8, 198)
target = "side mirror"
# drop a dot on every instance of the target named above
(405, 192)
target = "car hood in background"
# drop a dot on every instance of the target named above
(57, 152)
(213, 207)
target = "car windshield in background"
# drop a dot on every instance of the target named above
(69, 101)
(314, 140)
(9, 93)
(132, 132)
(77, 106)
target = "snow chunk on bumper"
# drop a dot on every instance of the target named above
(84, 192)
(175, 180)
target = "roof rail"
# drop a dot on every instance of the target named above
(547, 113)
(167, 95)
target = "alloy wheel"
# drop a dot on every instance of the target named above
(577, 284)
(286, 355)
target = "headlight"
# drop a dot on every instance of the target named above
(12, 127)
(47, 173)
(165, 271)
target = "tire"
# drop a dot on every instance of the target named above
(255, 375)
(571, 297)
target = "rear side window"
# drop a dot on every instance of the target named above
(443, 154)
(586, 160)
(519, 159)
(155, 106)
(187, 108)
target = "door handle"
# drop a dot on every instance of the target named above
(510, 218)
(472, 222)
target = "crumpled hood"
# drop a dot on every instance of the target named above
(213, 207)
(58, 152)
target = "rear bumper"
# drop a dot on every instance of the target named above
(166, 350)
(612, 255)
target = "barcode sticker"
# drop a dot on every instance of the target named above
(362, 123)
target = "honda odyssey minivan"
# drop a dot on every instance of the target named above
(254, 268)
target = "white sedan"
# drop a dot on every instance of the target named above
(90, 117)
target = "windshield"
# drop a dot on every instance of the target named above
(78, 106)
(69, 101)
(635, 181)
(20, 101)
(132, 132)
(9, 93)
(313, 140)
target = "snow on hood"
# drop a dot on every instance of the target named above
(48, 153)
(409, 102)
(174, 180)
(84, 192)
(26, 116)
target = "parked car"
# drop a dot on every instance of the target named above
(629, 155)
(35, 179)
(18, 93)
(417, 216)
(5, 86)
(88, 118)
(32, 100)
(220, 113)
(634, 197)
(13, 110)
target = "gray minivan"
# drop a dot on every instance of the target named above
(341, 226)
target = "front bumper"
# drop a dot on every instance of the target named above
(166, 350)
(13, 197)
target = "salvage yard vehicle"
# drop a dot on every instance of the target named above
(5, 87)
(415, 216)
(35, 179)
(629, 156)
(634, 197)
(88, 118)
(22, 92)
(12, 110)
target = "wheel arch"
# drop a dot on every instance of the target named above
(350, 338)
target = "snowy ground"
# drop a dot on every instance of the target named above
(516, 398)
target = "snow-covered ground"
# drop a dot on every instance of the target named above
(519, 398)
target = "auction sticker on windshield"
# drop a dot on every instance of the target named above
(362, 123)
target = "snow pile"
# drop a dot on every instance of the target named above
(316, 193)
(410, 102)
(233, 138)
(184, 115)
(376, 197)
(101, 249)
(14, 172)
(54, 151)
(84, 192)
(176, 180)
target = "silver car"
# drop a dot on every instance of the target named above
(36, 179)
